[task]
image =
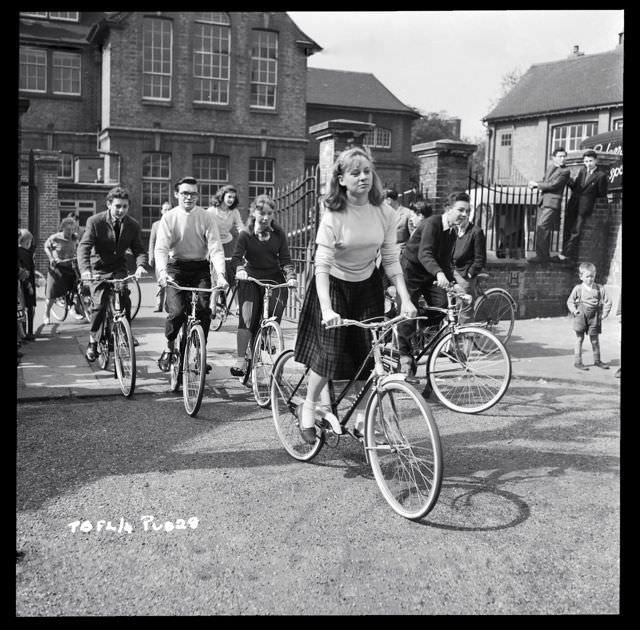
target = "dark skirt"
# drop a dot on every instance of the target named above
(338, 353)
(60, 279)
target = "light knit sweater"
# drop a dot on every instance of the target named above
(225, 220)
(186, 235)
(349, 241)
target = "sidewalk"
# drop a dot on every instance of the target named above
(54, 366)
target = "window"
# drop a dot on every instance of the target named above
(211, 58)
(264, 68)
(378, 138)
(570, 136)
(66, 73)
(38, 14)
(33, 69)
(81, 210)
(65, 168)
(156, 186)
(66, 16)
(617, 123)
(261, 178)
(156, 59)
(212, 172)
(505, 140)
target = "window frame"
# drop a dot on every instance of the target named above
(373, 138)
(70, 55)
(261, 70)
(217, 27)
(616, 123)
(61, 166)
(207, 183)
(151, 74)
(256, 183)
(155, 189)
(569, 140)
(43, 52)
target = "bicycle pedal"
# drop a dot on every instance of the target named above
(329, 419)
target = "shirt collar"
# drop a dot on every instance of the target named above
(445, 222)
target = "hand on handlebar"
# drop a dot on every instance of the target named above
(441, 280)
(241, 274)
(140, 271)
(330, 317)
(86, 275)
(292, 283)
(221, 282)
(408, 309)
(164, 279)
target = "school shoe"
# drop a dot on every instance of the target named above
(92, 351)
(601, 365)
(408, 368)
(580, 366)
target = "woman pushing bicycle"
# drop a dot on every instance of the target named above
(264, 247)
(354, 227)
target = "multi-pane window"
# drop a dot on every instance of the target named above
(379, 138)
(570, 136)
(65, 72)
(67, 16)
(80, 210)
(212, 172)
(156, 186)
(505, 140)
(157, 58)
(211, 58)
(38, 14)
(261, 177)
(617, 123)
(33, 69)
(65, 167)
(264, 68)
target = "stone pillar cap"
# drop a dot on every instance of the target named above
(438, 146)
(340, 126)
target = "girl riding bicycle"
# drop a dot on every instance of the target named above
(263, 245)
(354, 227)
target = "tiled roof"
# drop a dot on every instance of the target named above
(341, 88)
(575, 83)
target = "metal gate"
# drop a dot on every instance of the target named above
(298, 214)
(507, 215)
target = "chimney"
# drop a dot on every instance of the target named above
(621, 39)
(576, 52)
(454, 126)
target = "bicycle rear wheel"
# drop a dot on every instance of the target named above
(85, 301)
(288, 392)
(194, 369)
(496, 310)
(60, 308)
(469, 370)
(135, 294)
(218, 313)
(404, 450)
(124, 355)
(266, 348)
(175, 369)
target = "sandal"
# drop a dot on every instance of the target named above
(92, 351)
(164, 362)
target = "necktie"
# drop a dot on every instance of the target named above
(116, 229)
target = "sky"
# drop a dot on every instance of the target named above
(453, 61)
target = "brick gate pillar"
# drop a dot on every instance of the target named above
(444, 168)
(335, 136)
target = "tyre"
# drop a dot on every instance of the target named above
(135, 294)
(85, 302)
(496, 310)
(60, 308)
(194, 369)
(469, 370)
(124, 356)
(248, 356)
(104, 343)
(403, 444)
(266, 348)
(218, 314)
(288, 392)
(175, 371)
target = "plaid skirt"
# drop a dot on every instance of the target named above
(338, 353)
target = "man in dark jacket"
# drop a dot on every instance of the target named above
(469, 259)
(427, 265)
(589, 184)
(552, 187)
(101, 252)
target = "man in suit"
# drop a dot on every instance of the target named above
(589, 184)
(101, 252)
(551, 187)
(427, 265)
(160, 291)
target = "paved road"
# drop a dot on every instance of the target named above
(527, 521)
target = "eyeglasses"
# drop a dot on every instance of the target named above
(188, 194)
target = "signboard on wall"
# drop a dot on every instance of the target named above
(609, 142)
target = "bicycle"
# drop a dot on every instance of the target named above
(468, 368)
(264, 347)
(222, 309)
(400, 437)
(189, 360)
(75, 296)
(115, 336)
(494, 309)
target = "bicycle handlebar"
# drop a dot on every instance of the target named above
(388, 323)
(202, 289)
(269, 283)
(109, 280)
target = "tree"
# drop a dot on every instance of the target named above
(508, 81)
(431, 126)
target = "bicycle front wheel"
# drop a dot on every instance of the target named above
(194, 369)
(403, 445)
(175, 369)
(135, 294)
(218, 313)
(105, 343)
(60, 308)
(266, 347)
(496, 310)
(85, 302)
(124, 355)
(288, 392)
(469, 370)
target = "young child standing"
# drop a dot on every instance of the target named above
(589, 304)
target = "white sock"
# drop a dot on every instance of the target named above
(308, 418)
